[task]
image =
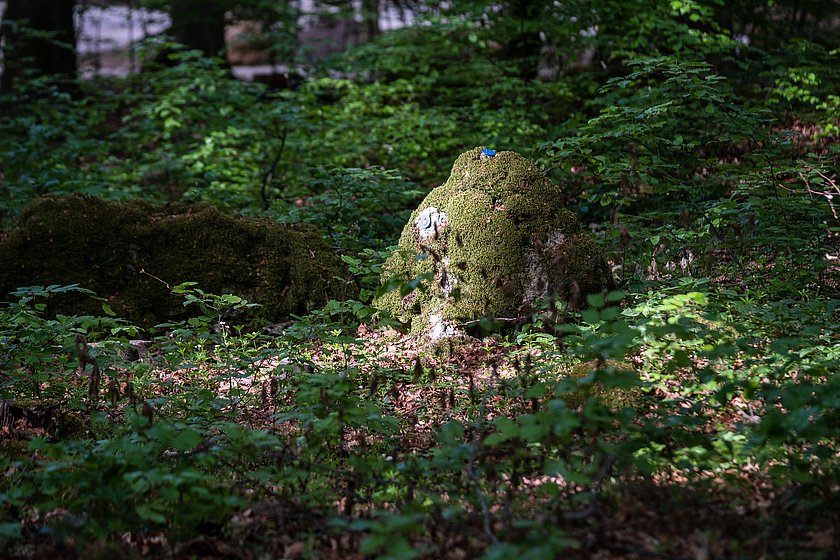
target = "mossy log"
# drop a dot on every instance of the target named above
(495, 237)
(131, 252)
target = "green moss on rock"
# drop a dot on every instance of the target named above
(613, 398)
(23, 419)
(496, 237)
(125, 251)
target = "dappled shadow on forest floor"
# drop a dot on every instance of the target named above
(619, 511)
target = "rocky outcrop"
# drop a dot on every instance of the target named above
(131, 252)
(489, 242)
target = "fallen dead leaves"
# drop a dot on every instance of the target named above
(676, 514)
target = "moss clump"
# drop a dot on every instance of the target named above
(23, 419)
(495, 237)
(14, 449)
(124, 251)
(614, 398)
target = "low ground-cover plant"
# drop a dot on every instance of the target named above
(534, 441)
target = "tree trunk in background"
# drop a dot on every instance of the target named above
(55, 56)
(525, 45)
(370, 15)
(200, 24)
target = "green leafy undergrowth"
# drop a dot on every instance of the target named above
(524, 444)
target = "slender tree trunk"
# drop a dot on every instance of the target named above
(370, 15)
(200, 24)
(525, 45)
(55, 56)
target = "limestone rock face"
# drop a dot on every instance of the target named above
(125, 251)
(493, 239)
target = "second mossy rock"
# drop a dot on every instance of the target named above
(128, 251)
(489, 242)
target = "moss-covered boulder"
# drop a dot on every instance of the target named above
(613, 398)
(495, 237)
(129, 251)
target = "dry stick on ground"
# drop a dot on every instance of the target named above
(827, 194)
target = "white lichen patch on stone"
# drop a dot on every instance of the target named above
(430, 222)
(446, 278)
(440, 328)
